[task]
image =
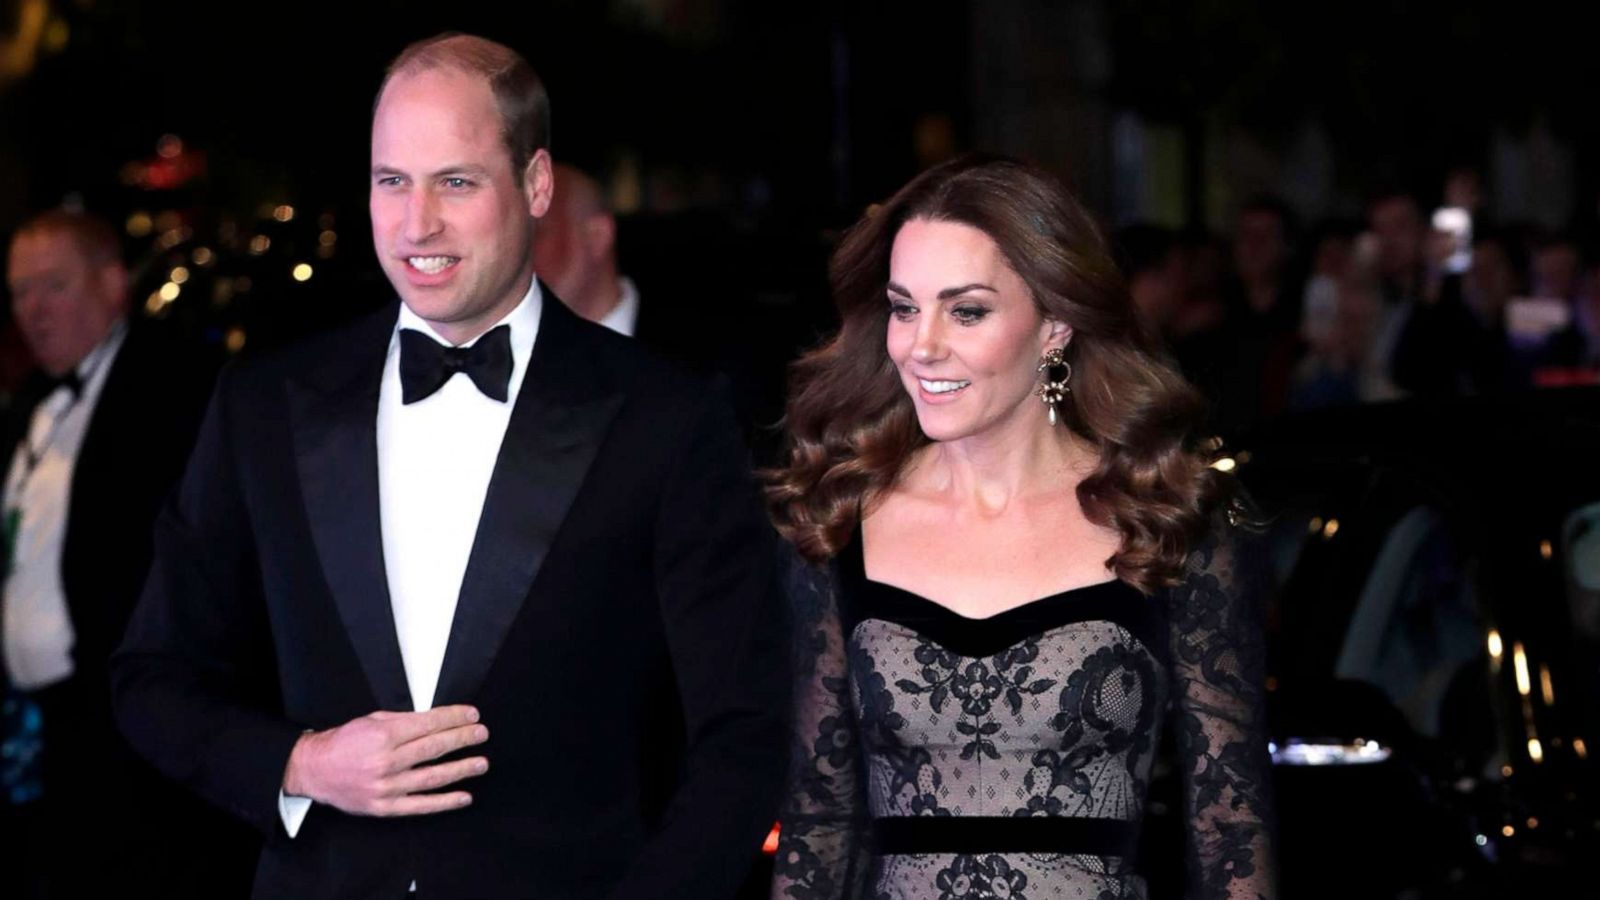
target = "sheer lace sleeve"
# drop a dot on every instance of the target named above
(1218, 651)
(821, 847)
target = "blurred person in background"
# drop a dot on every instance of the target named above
(575, 252)
(95, 442)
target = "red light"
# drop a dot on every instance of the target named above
(770, 847)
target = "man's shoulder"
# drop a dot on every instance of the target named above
(631, 366)
(322, 358)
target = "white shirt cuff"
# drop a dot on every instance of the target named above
(293, 811)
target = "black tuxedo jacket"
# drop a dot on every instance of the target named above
(621, 577)
(116, 815)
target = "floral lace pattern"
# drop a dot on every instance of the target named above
(1061, 722)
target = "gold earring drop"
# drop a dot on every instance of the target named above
(1053, 390)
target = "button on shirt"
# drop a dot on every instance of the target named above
(38, 631)
(435, 458)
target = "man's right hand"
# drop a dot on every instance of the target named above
(373, 766)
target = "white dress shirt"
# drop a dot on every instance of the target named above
(624, 317)
(38, 631)
(435, 458)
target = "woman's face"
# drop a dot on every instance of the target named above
(964, 332)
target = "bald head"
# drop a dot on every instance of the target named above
(574, 246)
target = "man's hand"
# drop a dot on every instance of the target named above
(372, 766)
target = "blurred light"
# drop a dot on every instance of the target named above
(1315, 526)
(170, 238)
(1508, 831)
(56, 35)
(155, 303)
(139, 225)
(1225, 464)
(1580, 748)
(168, 220)
(203, 256)
(325, 251)
(325, 221)
(178, 275)
(259, 244)
(169, 292)
(327, 237)
(235, 340)
(242, 285)
(1330, 529)
(1481, 840)
(1535, 750)
(1243, 456)
(1519, 658)
(1296, 752)
(302, 272)
(1532, 822)
(221, 292)
(1545, 550)
(170, 146)
(770, 845)
(1272, 682)
(1496, 647)
(1548, 687)
(283, 212)
(1505, 771)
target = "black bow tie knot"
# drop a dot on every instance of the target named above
(426, 364)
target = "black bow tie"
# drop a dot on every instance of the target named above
(426, 364)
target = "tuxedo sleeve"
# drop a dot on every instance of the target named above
(715, 571)
(192, 684)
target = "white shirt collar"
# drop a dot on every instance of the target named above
(624, 317)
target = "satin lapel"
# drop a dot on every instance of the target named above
(334, 415)
(557, 426)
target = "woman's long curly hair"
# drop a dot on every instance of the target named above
(852, 428)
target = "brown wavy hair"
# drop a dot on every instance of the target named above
(852, 428)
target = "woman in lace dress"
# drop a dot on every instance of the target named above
(1014, 567)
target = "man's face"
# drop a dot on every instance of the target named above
(451, 225)
(64, 303)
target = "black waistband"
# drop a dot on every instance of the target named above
(1006, 834)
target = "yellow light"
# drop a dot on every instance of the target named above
(1508, 831)
(1496, 648)
(1330, 529)
(1519, 658)
(259, 244)
(1545, 550)
(1535, 751)
(235, 340)
(283, 212)
(203, 256)
(1505, 771)
(1225, 464)
(169, 292)
(154, 304)
(1548, 687)
(302, 272)
(327, 238)
(56, 35)
(1315, 526)
(178, 275)
(1533, 822)
(139, 225)
(170, 238)
(1580, 748)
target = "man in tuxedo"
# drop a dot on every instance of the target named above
(97, 440)
(575, 252)
(435, 587)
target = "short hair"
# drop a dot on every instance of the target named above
(518, 91)
(96, 240)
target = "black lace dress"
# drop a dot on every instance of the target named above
(941, 757)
